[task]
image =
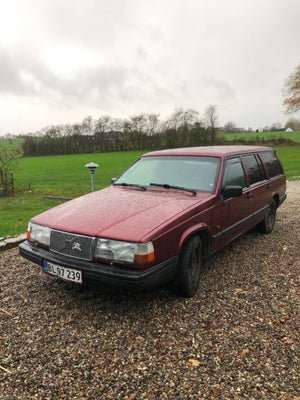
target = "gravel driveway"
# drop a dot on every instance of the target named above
(238, 338)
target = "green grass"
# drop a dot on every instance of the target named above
(290, 158)
(66, 176)
(58, 176)
(16, 211)
(257, 136)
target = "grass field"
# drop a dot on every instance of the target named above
(58, 176)
(290, 158)
(258, 136)
(66, 176)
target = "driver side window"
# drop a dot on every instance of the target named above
(234, 173)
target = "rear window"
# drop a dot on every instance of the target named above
(255, 169)
(272, 163)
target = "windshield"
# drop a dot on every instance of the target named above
(184, 172)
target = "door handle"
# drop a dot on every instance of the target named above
(249, 195)
(268, 186)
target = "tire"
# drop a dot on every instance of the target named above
(268, 223)
(189, 268)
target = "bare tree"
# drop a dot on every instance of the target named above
(67, 130)
(175, 120)
(153, 123)
(291, 92)
(182, 118)
(276, 126)
(292, 123)
(8, 157)
(230, 127)
(54, 131)
(190, 117)
(103, 124)
(211, 117)
(87, 126)
(138, 123)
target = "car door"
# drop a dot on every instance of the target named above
(259, 188)
(236, 211)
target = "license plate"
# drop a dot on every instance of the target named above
(69, 274)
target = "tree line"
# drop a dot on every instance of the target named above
(139, 132)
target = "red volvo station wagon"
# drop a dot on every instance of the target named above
(161, 218)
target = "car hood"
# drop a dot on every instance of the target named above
(127, 214)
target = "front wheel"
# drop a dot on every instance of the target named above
(189, 268)
(268, 223)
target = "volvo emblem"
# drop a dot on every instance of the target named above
(76, 246)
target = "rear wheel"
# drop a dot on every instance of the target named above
(268, 223)
(189, 268)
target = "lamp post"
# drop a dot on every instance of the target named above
(92, 167)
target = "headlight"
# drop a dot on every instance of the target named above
(39, 234)
(128, 252)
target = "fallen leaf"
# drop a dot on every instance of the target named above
(193, 363)
(287, 340)
(244, 353)
(240, 290)
(132, 396)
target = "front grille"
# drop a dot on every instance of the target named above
(68, 244)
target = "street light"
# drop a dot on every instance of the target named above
(92, 167)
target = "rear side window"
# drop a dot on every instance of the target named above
(255, 168)
(272, 163)
(234, 173)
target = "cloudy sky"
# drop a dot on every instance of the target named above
(63, 60)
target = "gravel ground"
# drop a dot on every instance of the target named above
(238, 338)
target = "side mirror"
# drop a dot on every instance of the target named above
(231, 191)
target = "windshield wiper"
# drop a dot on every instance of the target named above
(167, 186)
(131, 185)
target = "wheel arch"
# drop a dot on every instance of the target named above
(204, 233)
(275, 197)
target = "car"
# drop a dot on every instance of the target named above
(161, 219)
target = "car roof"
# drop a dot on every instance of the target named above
(214, 151)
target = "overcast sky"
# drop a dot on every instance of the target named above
(63, 60)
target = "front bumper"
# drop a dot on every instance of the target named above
(106, 275)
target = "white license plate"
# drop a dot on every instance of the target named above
(69, 274)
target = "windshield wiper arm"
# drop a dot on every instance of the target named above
(167, 186)
(131, 185)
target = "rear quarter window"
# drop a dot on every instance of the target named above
(272, 164)
(254, 167)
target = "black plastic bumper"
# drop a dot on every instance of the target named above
(282, 199)
(107, 275)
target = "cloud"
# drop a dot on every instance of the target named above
(23, 75)
(11, 80)
(132, 56)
